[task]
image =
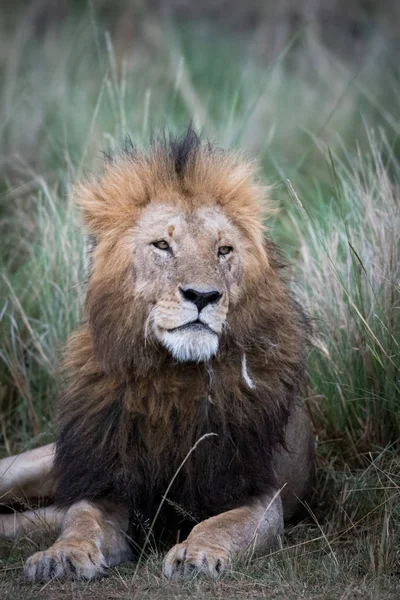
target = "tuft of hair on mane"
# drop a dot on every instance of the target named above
(181, 150)
(178, 150)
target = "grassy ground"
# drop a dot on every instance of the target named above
(309, 566)
(326, 133)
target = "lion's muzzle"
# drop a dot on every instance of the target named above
(190, 327)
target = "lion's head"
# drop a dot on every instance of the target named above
(179, 243)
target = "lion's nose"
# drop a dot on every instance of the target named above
(200, 299)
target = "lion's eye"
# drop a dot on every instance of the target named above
(224, 250)
(162, 245)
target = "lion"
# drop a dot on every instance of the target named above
(180, 418)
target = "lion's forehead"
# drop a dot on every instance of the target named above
(178, 223)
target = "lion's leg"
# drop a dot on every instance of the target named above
(42, 519)
(93, 539)
(27, 475)
(213, 544)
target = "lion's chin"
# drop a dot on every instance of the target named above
(187, 346)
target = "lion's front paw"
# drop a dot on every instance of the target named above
(194, 557)
(78, 560)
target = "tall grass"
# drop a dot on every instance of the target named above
(41, 299)
(324, 132)
(349, 264)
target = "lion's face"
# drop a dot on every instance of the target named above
(187, 270)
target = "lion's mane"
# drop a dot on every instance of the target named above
(129, 414)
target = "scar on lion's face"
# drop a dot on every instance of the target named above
(187, 267)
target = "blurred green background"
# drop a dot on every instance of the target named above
(312, 91)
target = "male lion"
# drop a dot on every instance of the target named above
(180, 412)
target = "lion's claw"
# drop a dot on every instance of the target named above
(64, 561)
(191, 558)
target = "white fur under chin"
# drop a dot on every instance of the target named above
(188, 346)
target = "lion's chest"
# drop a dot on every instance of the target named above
(195, 462)
(171, 443)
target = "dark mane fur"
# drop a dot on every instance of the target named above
(129, 414)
